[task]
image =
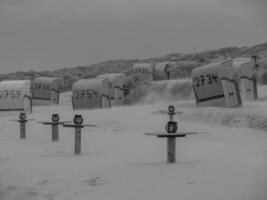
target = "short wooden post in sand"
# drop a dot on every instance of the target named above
(78, 125)
(171, 135)
(78, 120)
(22, 124)
(54, 124)
(171, 128)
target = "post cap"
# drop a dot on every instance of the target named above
(78, 119)
(171, 109)
(55, 118)
(22, 116)
(171, 127)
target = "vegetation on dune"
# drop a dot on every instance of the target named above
(185, 64)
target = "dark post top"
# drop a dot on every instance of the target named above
(78, 119)
(171, 109)
(171, 112)
(22, 117)
(55, 118)
(171, 126)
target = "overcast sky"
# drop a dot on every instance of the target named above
(52, 34)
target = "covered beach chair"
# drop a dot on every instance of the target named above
(15, 95)
(116, 83)
(244, 72)
(46, 89)
(214, 85)
(145, 70)
(162, 70)
(90, 94)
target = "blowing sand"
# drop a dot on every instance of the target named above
(225, 161)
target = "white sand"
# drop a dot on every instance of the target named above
(226, 161)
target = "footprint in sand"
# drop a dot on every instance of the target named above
(95, 181)
(4, 159)
(118, 129)
(43, 182)
(50, 196)
(11, 187)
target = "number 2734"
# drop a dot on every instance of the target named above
(205, 79)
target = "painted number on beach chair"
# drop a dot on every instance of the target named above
(202, 79)
(39, 86)
(81, 94)
(10, 93)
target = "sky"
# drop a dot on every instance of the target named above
(54, 34)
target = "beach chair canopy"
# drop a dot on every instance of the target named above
(163, 66)
(90, 93)
(214, 85)
(146, 70)
(245, 73)
(46, 88)
(15, 95)
(116, 84)
(143, 67)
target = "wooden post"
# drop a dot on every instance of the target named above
(171, 117)
(78, 136)
(22, 124)
(171, 143)
(171, 112)
(255, 88)
(22, 129)
(54, 126)
(55, 132)
(171, 128)
(78, 120)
